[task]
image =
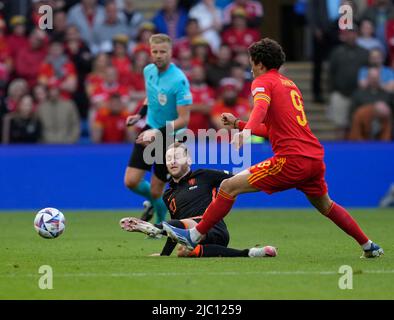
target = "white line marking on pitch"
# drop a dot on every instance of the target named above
(169, 274)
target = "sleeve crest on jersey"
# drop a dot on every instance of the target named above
(258, 90)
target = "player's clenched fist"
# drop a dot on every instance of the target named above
(228, 119)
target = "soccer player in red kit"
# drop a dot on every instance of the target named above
(279, 114)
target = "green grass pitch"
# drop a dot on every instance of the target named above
(95, 259)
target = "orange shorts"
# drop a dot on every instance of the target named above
(283, 173)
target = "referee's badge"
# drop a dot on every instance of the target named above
(162, 99)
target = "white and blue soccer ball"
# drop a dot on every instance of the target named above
(49, 223)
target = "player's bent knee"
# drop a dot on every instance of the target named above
(131, 182)
(229, 187)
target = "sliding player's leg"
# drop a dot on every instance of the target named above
(214, 250)
(215, 212)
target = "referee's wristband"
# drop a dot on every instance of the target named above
(235, 123)
(143, 111)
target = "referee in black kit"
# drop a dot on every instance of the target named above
(188, 196)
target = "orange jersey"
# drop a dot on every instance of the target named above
(286, 122)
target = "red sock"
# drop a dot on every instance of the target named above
(215, 212)
(344, 220)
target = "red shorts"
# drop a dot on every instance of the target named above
(283, 173)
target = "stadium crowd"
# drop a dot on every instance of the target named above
(360, 66)
(78, 81)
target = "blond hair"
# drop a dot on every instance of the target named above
(179, 144)
(160, 38)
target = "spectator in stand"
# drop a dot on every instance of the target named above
(17, 39)
(171, 20)
(146, 30)
(380, 13)
(185, 61)
(40, 94)
(79, 54)
(254, 12)
(345, 63)
(201, 51)
(242, 58)
(221, 68)
(203, 100)
(86, 16)
(141, 58)
(59, 25)
(110, 123)
(238, 73)
(239, 36)
(108, 87)
(120, 59)
(322, 17)
(5, 56)
(114, 24)
(185, 43)
(95, 79)
(372, 122)
(59, 70)
(371, 92)
(367, 38)
(29, 59)
(22, 125)
(376, 60)
(16, 90)
(59, 118)
(209, 19)
(133, 18)
(229, 102)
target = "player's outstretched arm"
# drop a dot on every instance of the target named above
(230, 120)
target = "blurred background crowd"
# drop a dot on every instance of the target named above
(78, 81)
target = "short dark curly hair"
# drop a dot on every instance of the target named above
(268, 52)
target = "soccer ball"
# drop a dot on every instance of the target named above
(49, 223)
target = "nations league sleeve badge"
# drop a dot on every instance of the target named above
(162, 99)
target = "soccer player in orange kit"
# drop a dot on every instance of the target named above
(279, 114)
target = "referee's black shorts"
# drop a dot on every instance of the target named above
(137, 160)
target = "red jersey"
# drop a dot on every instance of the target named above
(240, 40)
(123, 66)
(113, 125)
(286, 122)
(47, 74)
(102, 93)
(202, 94)
(239, 110)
